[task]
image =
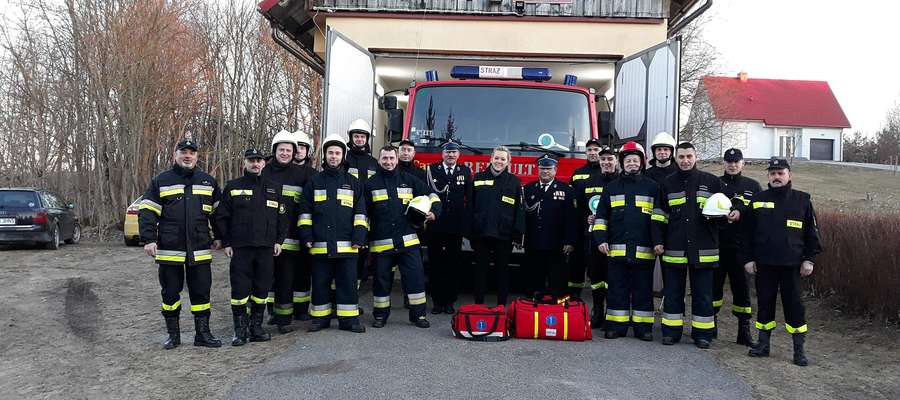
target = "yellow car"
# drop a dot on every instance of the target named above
(132, 236)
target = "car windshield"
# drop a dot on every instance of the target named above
(487, 116)
(18, 199)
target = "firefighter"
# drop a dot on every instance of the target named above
(498, 222)
(361, 165)
(174, 222)
(253, 223)
(626, 229)
(333, 226)
(781, 247)
(393, 239)
(407, 154)
(549, 234)
(663, 151)
(588, 183)
(292, 177)
(741, 190)
(691, 248)
(303, 261)
(453, 184)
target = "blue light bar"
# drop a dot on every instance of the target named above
(570, 80)
(493, 72)
(431, 75)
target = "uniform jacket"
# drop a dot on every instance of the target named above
(412, 169)
(333, 214)
(176, 213)
(360, 163)
(690, 237)
(630, 219)
(497, 210)
(548, 216)
(292, 177)
(780, 228)
(740, 189)
(658, 174)
(387, 195)
(588, 183)
(252, 212)
(455, 192)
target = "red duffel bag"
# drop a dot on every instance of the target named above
(480, 322)
(547, 318)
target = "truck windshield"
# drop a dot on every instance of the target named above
(487, 116)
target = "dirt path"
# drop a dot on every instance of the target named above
(83, 322)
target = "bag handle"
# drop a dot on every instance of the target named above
(488, 332)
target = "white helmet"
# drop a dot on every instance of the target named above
(334, 140)
(303, 139)
(360, 125)
(663, 139)
(284, 137)
(717, 205)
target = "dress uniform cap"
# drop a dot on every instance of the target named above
(546, 161)
(733, 155)
(252, 153)
(451, 146)
(778, 163)
(187, 144)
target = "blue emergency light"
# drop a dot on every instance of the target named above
(431, 75)
(570, 80)
(496, 72)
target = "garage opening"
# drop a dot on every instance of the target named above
(821, 149)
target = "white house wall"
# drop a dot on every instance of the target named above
(761, 141)
(822, 133)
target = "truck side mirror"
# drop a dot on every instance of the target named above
(395, 124)
(389, 103)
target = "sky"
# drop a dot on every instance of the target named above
(850, 44)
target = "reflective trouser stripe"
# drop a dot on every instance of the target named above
(703, 322)
(768, 326)
(382, 301)
(284, 309)
(240, 302)
(673, 319)
(599, 285)
(291, 245)
(302, 297)
(576, 285)
(647, 317)
(416, 298)
(741, 310)
(270, 298)
(258, 300)
(200, 307)
(791, 329)
(171, 307)
(347, 310)
(717, 303)
(617, 315)
(320, 310)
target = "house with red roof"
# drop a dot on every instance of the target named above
(771, 117)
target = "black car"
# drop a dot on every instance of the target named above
(29, 215)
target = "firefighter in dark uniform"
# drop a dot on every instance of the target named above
(303, 264)
(407, 154)
(781, 247)
(174, 222)
(663, 151)
(691, 249)
(623, 229)
(498, 222)
(453, 184)
(393, 239)
(588, 183)
(281, 169)
(550, 235)
(333, 226)
(253, 221)
(361, 165)
(740, 189)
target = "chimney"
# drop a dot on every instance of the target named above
(742, 76)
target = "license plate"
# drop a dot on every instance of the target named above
(7, 221)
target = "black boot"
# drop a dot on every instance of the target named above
(240, 329)
(202, 336)
(319, 323)
(352, 326)
(743, 336)
(270, 307)
(597, 318)
(257, 333)
(174, 331)
(799, 353)
(421, 322)
(762, 347)
(301, 312)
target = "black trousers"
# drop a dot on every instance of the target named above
(702, 313)
(199, 281)
(544, 266)
(578, 263)
(586, 257)
(302, 282)
(498, 251)
(737, 278)
(412, 278)
(281, 299)
(769, 280)
(444, 261)
(343, 272)
(630, 301)
(251, 277)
